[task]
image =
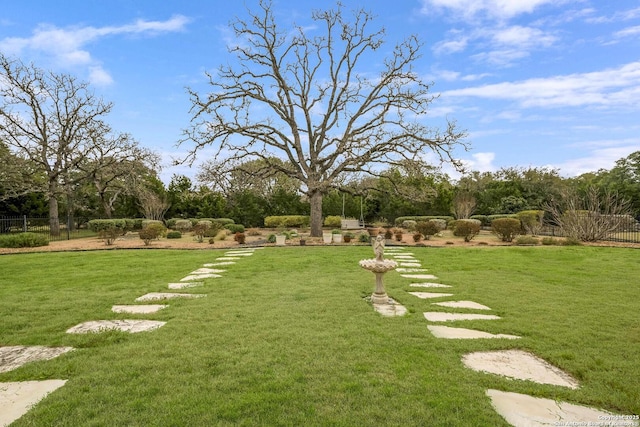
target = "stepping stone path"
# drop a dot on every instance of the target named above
(131, 326)
(523, 410)
(426, 295)
(462, 333)
(12, 357)
(462, 304)
(439, 316)
(138, 309)
(16, 398)
(516, 409)
(155, 296)
(429, 285)
(519, 365)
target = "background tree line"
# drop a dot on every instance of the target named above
(397, 191)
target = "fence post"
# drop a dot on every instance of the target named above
(24, 223)
(68, 227)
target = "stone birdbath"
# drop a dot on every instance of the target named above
(379, 266)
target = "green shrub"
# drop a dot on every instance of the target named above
(388, 234)
(174, 234)
(286, 221)
(271, 238)
(570, 241)
(152, 231)
(492, 218)
(527, 240)
(364, 238)
(235, 228)
(427, 228)
(23, 240)
(549, 241)
(148, 222)
(223, 221)
(506, 228)
(417, 237)
(401, 219)
(183, 225)
(531, 221)
(108, 229)
(409, 224)
(333, 221)
(467, 228)
(484, 219)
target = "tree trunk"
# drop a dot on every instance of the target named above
(315, 200)
(54, 222)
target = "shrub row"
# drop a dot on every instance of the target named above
(185, 224)
(287, 221)
(23, 240)
(401, 219)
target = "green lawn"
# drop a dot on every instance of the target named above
(285, 337)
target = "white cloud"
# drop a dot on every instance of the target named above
(628, 32)
(469, 10)
(99, 77)
(610, 87)
(601, 158)
(67, 46)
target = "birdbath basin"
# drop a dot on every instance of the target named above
(379, 266)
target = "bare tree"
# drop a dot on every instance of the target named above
(464, 204)
(50, 119)
(113, 164)
(589, 218)
(308, 98)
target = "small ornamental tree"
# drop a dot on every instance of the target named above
(506, 228)
(466, 228)
(427, 228)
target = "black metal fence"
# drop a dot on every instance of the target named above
(630, 234)
(67, 228)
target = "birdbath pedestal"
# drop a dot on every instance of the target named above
(379, 266)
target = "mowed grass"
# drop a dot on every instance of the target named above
(285, 337)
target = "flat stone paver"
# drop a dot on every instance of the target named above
(184, 285)
(462, 333)
(403, 256)
(524, 410)
(520, 365)
(236, 254)
(429, 285)
(426, 295)
(13, 357)
(411, 270)
(462, 304)
(216, 264)
(438, 316)
(16, 398)
(392, 309)
(154, 296)
(419, 276)
(131, 326)
(228, 258)
(138, 309)
(410, 264)
(192, 277)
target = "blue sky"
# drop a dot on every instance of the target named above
(536, 83)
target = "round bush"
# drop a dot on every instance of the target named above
(506, 228)
(333, 221)
(427, 228)
(467, 228)
(174, 234)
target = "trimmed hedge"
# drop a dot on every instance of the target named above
(23, 240)
(333, 221)
(235, 228)
(506, 228)
(286, 221)
(401, 219)
(467, 228)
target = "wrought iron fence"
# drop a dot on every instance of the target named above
(68, 228)
(628, 234)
